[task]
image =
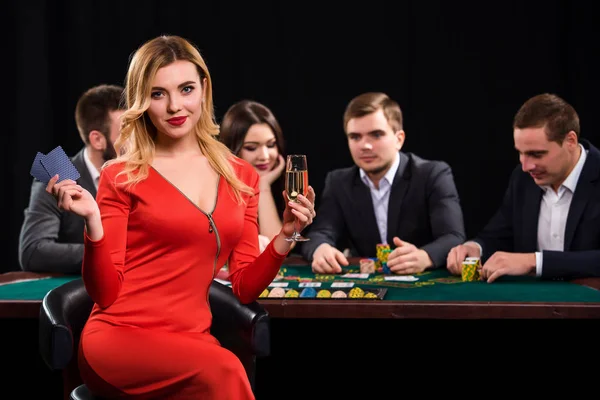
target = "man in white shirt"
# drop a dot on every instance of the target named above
(388, 196)
(549, 222)
(51, 240)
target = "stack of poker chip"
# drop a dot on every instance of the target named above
(308, 292)
(386, 269)
(277, 292)
(376, 263)
(367, 266)
(383, 250)
(470, 269)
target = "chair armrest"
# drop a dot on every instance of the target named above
(63, 314)
(238, 325)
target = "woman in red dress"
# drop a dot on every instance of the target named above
(170, 211)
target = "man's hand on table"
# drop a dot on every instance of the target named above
(503, 263)
(327, 260)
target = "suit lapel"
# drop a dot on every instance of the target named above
(363, 203)
(398, 190)
(583, 191)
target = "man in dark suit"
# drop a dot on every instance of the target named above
(52, 240)
(387, 197)
(549, 222)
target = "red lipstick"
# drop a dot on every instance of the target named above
(177, 121)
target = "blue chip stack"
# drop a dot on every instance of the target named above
(308, 292)
(386, 269)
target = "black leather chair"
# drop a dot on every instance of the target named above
(243, 329)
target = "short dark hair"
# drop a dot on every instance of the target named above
(93, 108)
(549, 111)
(368, 103)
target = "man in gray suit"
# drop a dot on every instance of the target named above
(388, 197)
(50, 239)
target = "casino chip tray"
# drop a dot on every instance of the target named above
(346, 293)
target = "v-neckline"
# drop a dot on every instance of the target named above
(186, 197)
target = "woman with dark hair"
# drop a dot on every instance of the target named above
(252, 132)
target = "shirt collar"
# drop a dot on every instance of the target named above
(389, 176)
(571, 180)
(94, 173)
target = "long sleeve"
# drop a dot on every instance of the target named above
(40, 248)
(103, 260)
(571, 264)
(268, 215)
(498, 233)
(445, 214)
(329, 226)
(251, 274)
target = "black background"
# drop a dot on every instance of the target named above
(459, 70)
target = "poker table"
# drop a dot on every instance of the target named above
(436, 321)
(434, 294)
(432, 333)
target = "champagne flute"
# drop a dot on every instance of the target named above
(296, 182)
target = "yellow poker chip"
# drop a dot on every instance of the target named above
(356, 293)
(264, 293)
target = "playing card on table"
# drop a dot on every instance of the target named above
(57, 162)
(402, 278)
(342, 284)
(37, 169)
(309, 284)
(279, 284)
(358, 276)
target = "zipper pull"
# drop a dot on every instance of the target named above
(210, 223)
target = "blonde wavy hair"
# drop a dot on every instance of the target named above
(135, 145)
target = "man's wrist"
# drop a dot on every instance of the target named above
(426, 261)
(537, 264)
(474, 245)
(317, 249)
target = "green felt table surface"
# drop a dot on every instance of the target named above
(32, 289)
(439, 285)
(435, 285)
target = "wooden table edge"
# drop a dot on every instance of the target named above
(376, 309)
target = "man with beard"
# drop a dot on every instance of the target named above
(50, 239)
(548, 225)
(388, 197)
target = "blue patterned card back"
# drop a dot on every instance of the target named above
(37, 169)
(57, 162)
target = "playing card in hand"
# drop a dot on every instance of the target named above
(55, 162)
(37, 169)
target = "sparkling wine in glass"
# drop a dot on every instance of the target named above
(296, 182)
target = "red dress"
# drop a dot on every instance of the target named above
(148, 335)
